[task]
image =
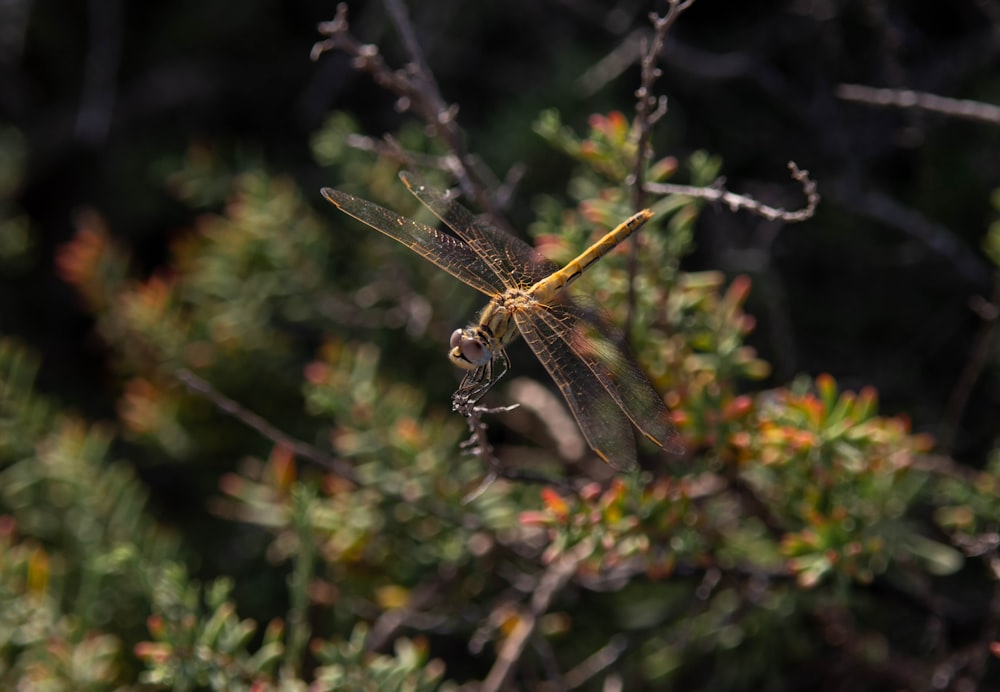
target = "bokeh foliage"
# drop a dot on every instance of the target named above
(803, 533)
(787, 494)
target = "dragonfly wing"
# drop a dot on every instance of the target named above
(597, 412)
(599, 347)
(446, 251)
(514, 262)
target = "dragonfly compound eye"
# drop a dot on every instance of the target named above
(456, 339)
(474, 351)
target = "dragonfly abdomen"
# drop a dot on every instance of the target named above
(548, 287)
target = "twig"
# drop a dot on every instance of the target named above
(438, 114)
(479, 445)
(552, 581)
(880, 207)
(596, 662)
(388, 624)
(843, 635)
(549, 662)
(624, 55)
(982, 348)
(365, 57)
(943, 465)
(416, 89)
(390, 148)
(905, 98)
(648, 110)
(718, 193)
(305, 450)
(199, 386)
(412, 85)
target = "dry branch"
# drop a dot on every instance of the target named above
(905, 98)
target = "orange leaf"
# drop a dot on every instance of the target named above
(282, 464)
(555, 502)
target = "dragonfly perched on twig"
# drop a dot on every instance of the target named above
(605, 389)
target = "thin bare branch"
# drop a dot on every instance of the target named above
(943, 465)
(549, 662)
(735, 202)
(201, 387)
(905, 98)
(479, 445)
(425, 596)
(609, 68)
(648, 110)
(416, 89)
(389, 148)
(552, 581)
(596, 662)
(876, 205)
(305, 450)
(982, 347)
(365, 57)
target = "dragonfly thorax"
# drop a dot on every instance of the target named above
(479, 343)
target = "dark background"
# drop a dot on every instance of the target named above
(875, 289)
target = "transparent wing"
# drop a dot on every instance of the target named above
(513, 261)
(603, 370)
(446, 251)
(599, 416)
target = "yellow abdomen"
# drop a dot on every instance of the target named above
(548, 287)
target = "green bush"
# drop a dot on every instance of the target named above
(292, 356)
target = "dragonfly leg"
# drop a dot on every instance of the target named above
(479, 381)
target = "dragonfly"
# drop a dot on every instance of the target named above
(605, 389)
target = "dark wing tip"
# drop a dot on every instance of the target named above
(412, 182)
(332, 196)
(622, 464)
(673, 443)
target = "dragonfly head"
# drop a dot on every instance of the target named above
(469, 349)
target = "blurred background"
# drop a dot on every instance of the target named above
(111, 113)
(99, 100)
